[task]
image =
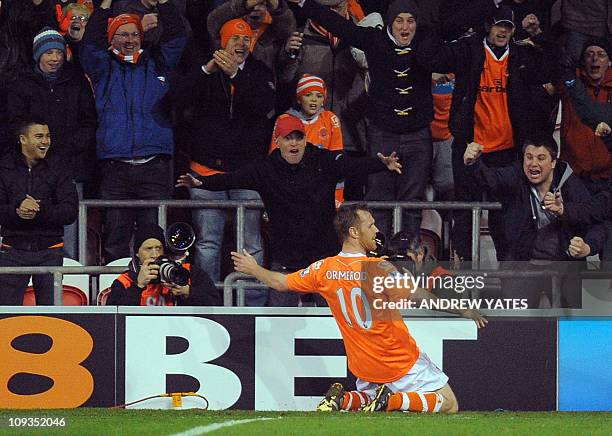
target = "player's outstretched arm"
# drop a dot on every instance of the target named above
(245, 263)
(421, 294)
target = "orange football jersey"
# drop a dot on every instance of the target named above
(323, 131)
(378, 345)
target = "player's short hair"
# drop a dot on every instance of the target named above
(542, 140)
(347, 217)
(24, 127)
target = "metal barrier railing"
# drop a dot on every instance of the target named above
(162, 209)
(241, 206)
(237, 281)
(59, 272)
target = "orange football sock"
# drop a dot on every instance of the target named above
(415, 402)
(354, 400)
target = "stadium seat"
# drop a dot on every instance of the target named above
(102, 297)
(431, 232)
(71, 296)
(74, 281)
(106, 280)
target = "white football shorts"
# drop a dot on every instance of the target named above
(424, 376)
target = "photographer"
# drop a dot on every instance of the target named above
(408, 253)
(142, 285)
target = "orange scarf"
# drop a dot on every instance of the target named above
(261, 30)
(354, 11)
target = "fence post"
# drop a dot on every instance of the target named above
(476, 238)
(82, 233)
(228, 289)
(240, 291)
(239, 228)
(161, 216)
(397, 219)
(58, 288)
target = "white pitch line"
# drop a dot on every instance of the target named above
(217, 425)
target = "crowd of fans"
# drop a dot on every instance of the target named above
(284, 100)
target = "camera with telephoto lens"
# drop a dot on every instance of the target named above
(179, 238)
(171, 272)
(403, 248)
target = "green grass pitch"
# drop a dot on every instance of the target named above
(173, 422)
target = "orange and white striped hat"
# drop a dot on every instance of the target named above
(308, 83)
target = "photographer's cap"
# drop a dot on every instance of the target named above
(147, 231)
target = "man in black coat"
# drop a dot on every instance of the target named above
(59, 94)
(37, 199)
(297, 184)
(227, 107)
(400, 103)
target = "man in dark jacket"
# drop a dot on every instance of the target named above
(491, 105)
(134, 137)
(141, 285)
(401, 105)
(534, 233)
(59, 94)
(297, 184)
(37, 199)
(227, 106)
(19, 22)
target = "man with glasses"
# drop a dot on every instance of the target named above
(135, 144)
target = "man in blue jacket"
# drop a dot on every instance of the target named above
(134, 137)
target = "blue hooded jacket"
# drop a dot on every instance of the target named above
(132, 118)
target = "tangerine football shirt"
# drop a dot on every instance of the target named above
(492, 126)
(323, 131)
(379, 347)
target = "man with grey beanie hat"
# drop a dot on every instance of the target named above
(48, 40)
(58, 93)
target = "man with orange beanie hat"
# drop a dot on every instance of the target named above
(230, 105)
(271, 20)
(135, 142)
